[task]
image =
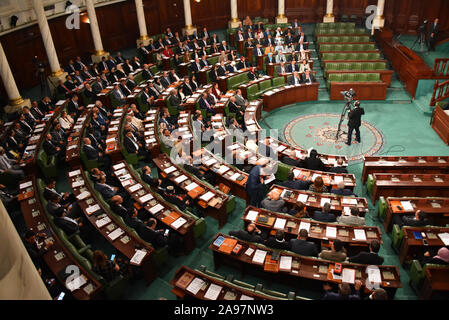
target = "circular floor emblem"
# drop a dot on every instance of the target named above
(319, 131)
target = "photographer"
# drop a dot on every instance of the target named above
(433, 31)
(354, 122)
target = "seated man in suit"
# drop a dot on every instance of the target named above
(324, 215)
(135, 147)
(273, 203)
(59, 136)
(118, 94)
(341, 191)
(294, 79)
(252, 75)
(344, 291)
(146, 73)
(69, 83)
(221, 70)
(131, 84)
(175, 100)
(173, 76)
(308, 77)
(302, 246)
(337, 252)
(93, 154)
(293, 67)
(54, 207)
(371, 257)
(278, 241)
(231, 67)
(119, 209)
(252, 234)
(339, 167)
(313, 162)
(296, 184)
(146, 230)
(50, 147)
(181, 200)
(353, 219)
(243, 64)
(146, 175)
(418, 220)
(292, 160)
(69, 225)
(204, 104)
(49, 191)
(74, 107)
(107, 191)
(281, 68)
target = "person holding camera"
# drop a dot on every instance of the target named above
(434, 29)
(354, 122)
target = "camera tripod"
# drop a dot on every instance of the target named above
(346, 108)
(421, 39)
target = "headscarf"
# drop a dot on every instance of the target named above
(443, 254)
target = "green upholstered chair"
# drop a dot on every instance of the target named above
(283, 171)
(382, 207)
(396, 236)
(252, 92)
(278, 82)
(418, 274)
(370, 184)
(47, 164)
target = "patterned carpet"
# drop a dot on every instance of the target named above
(319, 131)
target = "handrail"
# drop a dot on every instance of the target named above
(440, 92)
(441, 67)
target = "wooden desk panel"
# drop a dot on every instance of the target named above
(440, 123)
(436, 284)
(289, 95)
(411, 164)
(364, 90)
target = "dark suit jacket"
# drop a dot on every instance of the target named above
(253, 182)
(303, 247)
(246, 236)
(343, 192)
(355, 117)
(303, 78)
(241, 65)
(338, 170)
(410, 221)
(68, 226)
(324, 217)
(221, 71)
(91, 153)
(164, 82)
(367, 258)
(130, 147)
(203, 105)
(291, 161)
(297, 184)
(314, 164)
(290, 68)
(106, 192)
(272, 243)
(50, 148)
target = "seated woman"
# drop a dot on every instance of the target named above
(106, 268)
(442, 257)
(304, 66)
(318, 185)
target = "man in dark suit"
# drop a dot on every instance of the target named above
(354, 122)
(344, 291)
(433, 32)
(293, 67)
(254, 184)
(36, 111)
(103, 65)
(418, 220)
(50, 148)
(291, 160)
(341, 191)
(278, 241)
(118, 208)
(204, 104)
(302, 246)
(135, 147)
(324, 215)
(295, 184)
(243, 64)
(68, 225)
(371, 257)
(339, 167)
(307, 77)
(294, 79)
(175, 100)
(146, 73)
(165, 80)
(73, 107)
(252, 234)
(94, 154)
(313, 162)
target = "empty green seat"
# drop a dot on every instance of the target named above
(278, 82)
(252, 91)
(264, 85)
(47, 164)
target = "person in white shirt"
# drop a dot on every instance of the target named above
(65, 120)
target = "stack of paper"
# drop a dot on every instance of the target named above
(195, 285)
(138, 257)
(252, 215)
(285, 263)
(348, 275)
(303, 198)
(407, 205)
(325, 200)
(280, 223)
(331, 232)
(444, 237)
(359, 234)
(178, 223)
(304, 225)
(115, 234)
(156, 208)
(213, 292)
(259, 256)
(191, 186)
(207, 196)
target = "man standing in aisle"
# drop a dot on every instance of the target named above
(354, 122)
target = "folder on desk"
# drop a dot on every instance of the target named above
(259, 257)
(270, 264)
(184, 280)
(285, 263)
(228, 245)
(396, 206)
(170, 218)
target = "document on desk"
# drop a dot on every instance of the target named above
(303, 198)
(280, 223)
(213, 292)
(115, 234)
(191, 186)
(235, 176)
(270, 179)
(138, 257)
(259, 256)
(207, 196)
(118, 166)
(135, 187)
(285, 263)
(102, 222)
(245, 297)
(120, 172)
(152, 140)
(252, 215)
(92, 209)
(233, 147)
(325, 200)
(281, 148)
(156, 208)
(170, 169)
(359, 234)
(178, 223)
(349, 201)
(338, 179)
(348, 275)
(195, 285)
(222, 169)
(444, 237)
(76, 283)
(249, 252)
(304, 225)
(374, 275)
(210, 161)
(331, 232)
(146, 198)
(180, 179)
(27, 184)
(83, 195)
(407, 205)
(73, 146)
(346, 211)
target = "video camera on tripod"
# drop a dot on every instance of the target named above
(348, 95)
(349, 98)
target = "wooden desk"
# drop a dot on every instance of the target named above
(214, 207)
(316, 229)
(391, 164)
(222, 81)
(150, 123)
(330, 179)
(436, 208)
(307, 272)
(411, 185)
(244, 86)
(58, 257)
(312, 200)
(440, 123)
(239, 293)
(155, 205)
(436, 284)
(128, 242)
(73, 150)
(224, 172)
(411, 246)
(286, 95)
(113, 146)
